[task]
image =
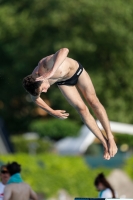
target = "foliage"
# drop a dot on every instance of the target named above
(93, 150)
(124, 139)
(98, 34)
(48, 174)
(128, 167)
(21, 145)
(53, 129)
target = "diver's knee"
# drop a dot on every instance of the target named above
(82, 109)
(94, 102)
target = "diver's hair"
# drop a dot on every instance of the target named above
(31, 85)
(101, 179)
(13, 168)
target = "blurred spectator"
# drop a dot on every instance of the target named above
(16, 189)
(104, 187)
(4, 176)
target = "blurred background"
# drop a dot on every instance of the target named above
(60, 159)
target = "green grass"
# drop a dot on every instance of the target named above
(48, 173)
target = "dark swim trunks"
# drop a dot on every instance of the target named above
(74, 79)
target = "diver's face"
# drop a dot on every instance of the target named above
(44, 86)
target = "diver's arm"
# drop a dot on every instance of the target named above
(61, 114)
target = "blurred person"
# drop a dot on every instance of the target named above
(70, 76)
(16, 189)
(4, 177)
(104, 187)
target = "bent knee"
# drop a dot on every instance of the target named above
(82, 108)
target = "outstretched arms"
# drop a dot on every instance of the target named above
(61, 114)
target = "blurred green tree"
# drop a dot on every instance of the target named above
(53, 129)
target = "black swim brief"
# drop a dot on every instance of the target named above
(74, 79)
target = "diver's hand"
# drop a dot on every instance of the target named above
(61, 114)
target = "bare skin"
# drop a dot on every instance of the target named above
(59, 67)
(19, 191)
